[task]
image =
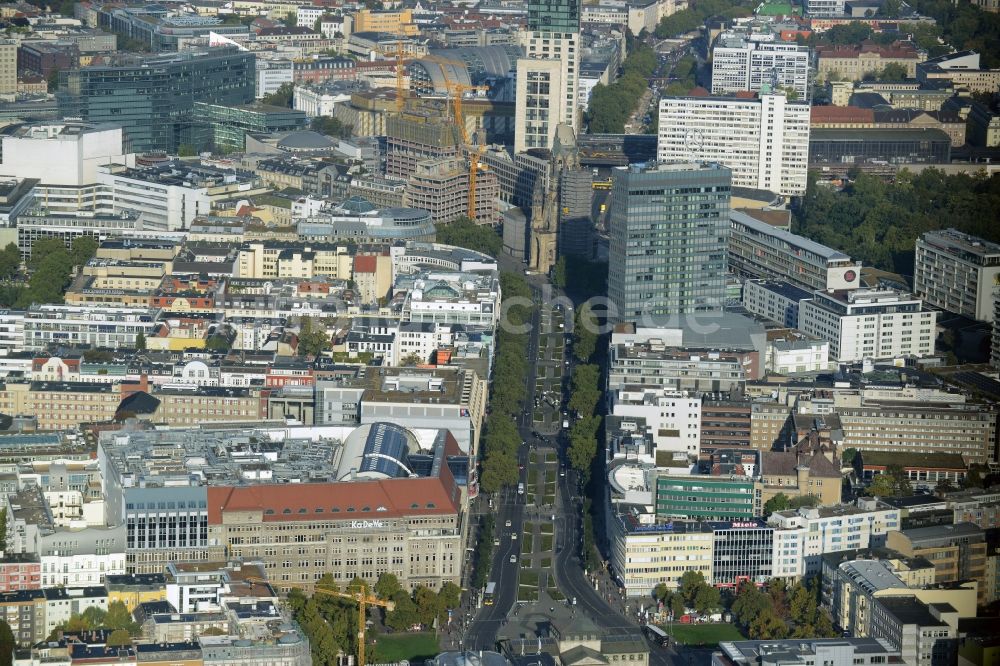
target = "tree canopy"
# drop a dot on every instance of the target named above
(283, 96)
(693, 18)
(463, 232)
(878, 222)
(610, 106)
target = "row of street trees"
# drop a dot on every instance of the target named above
(610, 106)
(501, 439)
(779, 611)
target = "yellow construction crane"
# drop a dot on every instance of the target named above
(398, 54)
(363, 599)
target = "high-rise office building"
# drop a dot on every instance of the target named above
(669, 223)
(739, 64)
(549, 74)
(764, 140)
(153, 97)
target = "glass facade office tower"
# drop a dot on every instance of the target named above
(669, 226)
(153, 97)
(554, 15)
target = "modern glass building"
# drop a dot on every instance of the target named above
(561, 16)
(669, 228)
(153, 97)
(225, 128)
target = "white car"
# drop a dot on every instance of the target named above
(513, 537)
(507, 524)
(513, 559)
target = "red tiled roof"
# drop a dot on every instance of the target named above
(365, 263)
(392, 498)
(698, 92)
(745, 94)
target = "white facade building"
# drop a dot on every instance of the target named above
(81, 569)
(62, 603)
(62, 153)
(802, 537)
(305, 17)
(11, 331)
(271, 75)
(764, 141)
(869, 324)
(834, 8)
(739, 64)
(108, 327)
(163, 205)
(674, 417)
(314, 102)
(789, 357)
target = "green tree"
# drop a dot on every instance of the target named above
(283, 96)
(749, 603)
(690, 584)
(7, 644)
(777, 503)
(464, 232)
(892, 72)
(848, 456)
(217, 343)
(404, 614)
(118, 617)
(3, 530)
(186, 150)
(10, 261)
(499, 470)
(584, 333)
(428, 604)
(387, 585)
(330, 126)
(119, 638)
(708, 599)
(83, 249)
(53, 80)
(450, 595)
(559, 273)
(583, 444)
(140, 341)
(767, 626)
(313, 340)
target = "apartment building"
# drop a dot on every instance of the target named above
(673, 416)
(114, 327)
(775, 300)
(803, 536)
(926, 634)
(869, 324)
(739, 64)
(957, 272)
(794, 652)
(855, 583)
(958, 551)
(763, 140)
(60, 405)
(763, 251)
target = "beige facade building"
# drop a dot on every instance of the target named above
(854, 62)
(8, 67)
(958, 552)
(60, 405)
(274, 259)
(441, 186)
(396, 22)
